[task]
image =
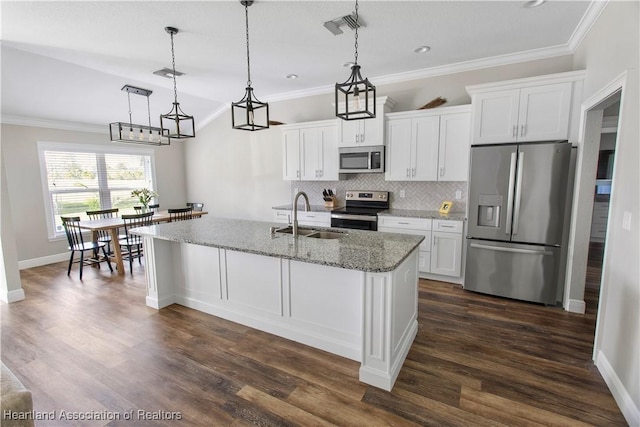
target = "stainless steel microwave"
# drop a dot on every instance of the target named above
(361, 159)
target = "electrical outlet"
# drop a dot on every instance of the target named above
(458, 195)
(626, 220)
(335, 192)
(402, 194)
(295, 190)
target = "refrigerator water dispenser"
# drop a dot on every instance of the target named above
(489, 210)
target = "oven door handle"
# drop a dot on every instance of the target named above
(355, 217)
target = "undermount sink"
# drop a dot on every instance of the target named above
(326, 235)
(310, 232)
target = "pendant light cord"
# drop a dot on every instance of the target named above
(173, 63)
(246, 16)
(130, 120)
(356, 37)
(149, 113)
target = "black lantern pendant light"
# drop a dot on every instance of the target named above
(132, 132)
(355, 98)
(249, 113)
(176, 123)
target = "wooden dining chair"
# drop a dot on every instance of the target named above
(104, 235)
(133, 243)
(153, 208)
(180, 214)
(72, 229)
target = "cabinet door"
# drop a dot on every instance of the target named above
(446, 253)
(309, 154)
(398, 157)
(455, 144)
(328, 154)
(495, 117)
(371, 130)
(425, 135)
(349, 133)
(291, 152)
(544, 112)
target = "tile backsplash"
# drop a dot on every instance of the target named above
(417, 195)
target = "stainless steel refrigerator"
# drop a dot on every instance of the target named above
(517, 201)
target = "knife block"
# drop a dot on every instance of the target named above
(332, 203)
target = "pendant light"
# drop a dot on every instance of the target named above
(355, 98)
(135, 133)
(249, 113)
(176, 123)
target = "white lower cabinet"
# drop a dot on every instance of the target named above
(282, 216)
(417, 226)
(314, 219)
(441, 251)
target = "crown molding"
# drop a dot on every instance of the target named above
(53, 124)
(594, 10)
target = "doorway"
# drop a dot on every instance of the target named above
(601, 199)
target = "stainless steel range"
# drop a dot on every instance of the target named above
(361, 210)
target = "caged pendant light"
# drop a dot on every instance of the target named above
(176, 123)
(249, 113)
(135, 133)
(355, 98)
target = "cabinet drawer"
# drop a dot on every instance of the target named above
(425, 246)
(282, 215)
(406, 223)
(447, 226)
(315, 218)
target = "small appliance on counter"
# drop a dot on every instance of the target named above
(361, 210)
(517, 198)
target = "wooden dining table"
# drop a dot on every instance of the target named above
(114, 224)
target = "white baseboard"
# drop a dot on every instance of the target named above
(49, 259)
(12, 296)
(576, 306)
(626, 404)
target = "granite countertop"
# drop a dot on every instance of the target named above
(314, 208)
(369, 251)
(410, 213)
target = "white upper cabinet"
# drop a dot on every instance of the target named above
(429, 145)
(365, 132)
(532, 109)
(454, 147)
(310, 151)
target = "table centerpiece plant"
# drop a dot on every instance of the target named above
(144, 195)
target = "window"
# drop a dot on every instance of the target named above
(79, 178)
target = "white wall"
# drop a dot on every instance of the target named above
(611, 48)
(22, 170)
(10, 283)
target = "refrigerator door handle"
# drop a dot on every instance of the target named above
(512, 250)
(512, 177)
(516, 214)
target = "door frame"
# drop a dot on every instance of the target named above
(590, 130)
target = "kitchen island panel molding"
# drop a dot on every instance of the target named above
(342, 311)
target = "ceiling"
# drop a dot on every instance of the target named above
(67, 60)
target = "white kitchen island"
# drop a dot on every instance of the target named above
(355, 296)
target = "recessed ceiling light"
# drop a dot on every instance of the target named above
(533, 3)
(291, 76)
(422, 49)
(348, 64)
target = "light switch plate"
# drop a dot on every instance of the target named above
(626, 220)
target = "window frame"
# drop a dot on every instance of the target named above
(44, 146)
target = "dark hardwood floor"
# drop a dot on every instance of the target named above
(477, 360)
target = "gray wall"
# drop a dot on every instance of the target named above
(22, 171)
(610, 48)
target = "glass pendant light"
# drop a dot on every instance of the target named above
(249, 113)
(176, 123)
(355, 98)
